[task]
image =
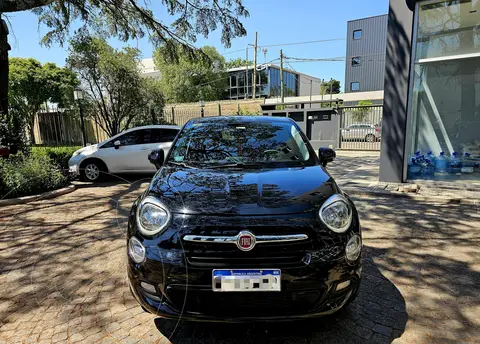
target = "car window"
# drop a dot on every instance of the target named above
(163, 135)
(217, 143)
(136, 137)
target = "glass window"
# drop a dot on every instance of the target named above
(131, 138)
(445, 104)
(447, 28)
(215, 143)
(356, 61)
(233, 80)
(355, 86)
(162, 135)
(357, 34)
(241, 80)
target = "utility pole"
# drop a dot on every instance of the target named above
(310, 93)
(254, 87)
(246, 73)
(321, 89)
(281, 77)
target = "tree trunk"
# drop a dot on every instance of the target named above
(4, 48)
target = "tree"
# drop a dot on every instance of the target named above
(192, 80)
(330, 87)
(132, 19)
(111, 79)
(238, 62)
(361, 113)
(31, 85)
(127, 19)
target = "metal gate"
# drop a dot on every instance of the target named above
(361, 127)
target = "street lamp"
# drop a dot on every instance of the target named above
(202, 108)
(78, 96)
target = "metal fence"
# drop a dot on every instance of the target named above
(361, 127)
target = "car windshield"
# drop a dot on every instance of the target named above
(241, 143)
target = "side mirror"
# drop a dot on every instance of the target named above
(156, 157)
(326, 155)
(117, 144)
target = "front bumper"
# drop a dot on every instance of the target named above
(74, 167)
(183, 292)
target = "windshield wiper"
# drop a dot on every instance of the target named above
(181, 164)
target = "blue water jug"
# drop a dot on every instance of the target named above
(441, 163)
(455, 165)
(467, 163)
(429, 169)
(414, 169)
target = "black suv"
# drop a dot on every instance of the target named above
(242, 222)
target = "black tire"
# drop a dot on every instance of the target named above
(370, 138)
(92, 170)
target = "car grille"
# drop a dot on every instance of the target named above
(273, 255)
(244, 304)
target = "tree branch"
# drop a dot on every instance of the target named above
(22, 5)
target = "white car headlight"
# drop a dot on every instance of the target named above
(136, 250)
(152, 216)
(353, 248)
(336, 213)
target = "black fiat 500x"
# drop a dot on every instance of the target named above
(242, 222)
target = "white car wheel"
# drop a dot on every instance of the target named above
(92, 172)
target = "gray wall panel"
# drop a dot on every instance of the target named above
(371, 48)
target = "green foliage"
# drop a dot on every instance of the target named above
(361, 113)
(22, 175)
(58, 155)
(32, 84)
(131, 19)
(192, 80)
(330, 87)
(115, 91)
(238, 62)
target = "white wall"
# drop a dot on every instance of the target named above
(304, 89)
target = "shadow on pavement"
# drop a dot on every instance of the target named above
(378, 315)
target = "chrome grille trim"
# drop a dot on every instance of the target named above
(260, 239)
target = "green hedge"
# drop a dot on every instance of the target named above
(22, 175)
(58, 155)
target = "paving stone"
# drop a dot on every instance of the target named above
(383, 330)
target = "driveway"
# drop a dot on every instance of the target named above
(62, 277)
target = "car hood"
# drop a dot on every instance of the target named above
(86, 150)
(244, 192)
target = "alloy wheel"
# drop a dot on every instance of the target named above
(92, 172)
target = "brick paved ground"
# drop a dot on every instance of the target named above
(62, 277)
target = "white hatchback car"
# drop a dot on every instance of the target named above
(126, 152)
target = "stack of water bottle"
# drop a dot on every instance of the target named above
(429, 166)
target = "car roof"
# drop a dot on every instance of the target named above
(153, 127)
(242, 119)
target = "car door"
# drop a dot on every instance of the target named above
(161, 138)
(130, 156)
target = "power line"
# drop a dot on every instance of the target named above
(287, 44)
(297, 43)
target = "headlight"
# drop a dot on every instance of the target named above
(136, 250)
(336, 213)
(152, 216)
(353, 248)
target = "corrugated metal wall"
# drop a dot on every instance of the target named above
(371, 48)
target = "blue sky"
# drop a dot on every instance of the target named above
(277, 22)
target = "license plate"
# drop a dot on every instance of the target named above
(246, 280)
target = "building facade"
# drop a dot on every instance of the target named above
(432, 91)
(268, 83)
(365, 55)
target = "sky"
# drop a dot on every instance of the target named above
(276, 21)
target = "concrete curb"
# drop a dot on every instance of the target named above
(436, 199)
(45, 195)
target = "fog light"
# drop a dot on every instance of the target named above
(136, 250)
(353, 248)
(342, 285)
(148, 287)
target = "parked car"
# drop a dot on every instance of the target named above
(362, 131)
(126, 152)
(243, 222)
